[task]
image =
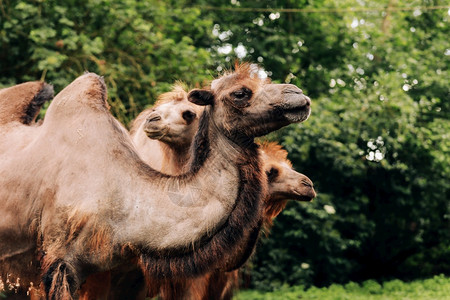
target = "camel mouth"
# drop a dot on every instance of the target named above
(297, 114)
(304, 196)
(155, 133)
(304, 191)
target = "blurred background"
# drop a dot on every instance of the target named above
(377, 144)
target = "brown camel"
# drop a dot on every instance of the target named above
(284, 183)
(90, 203)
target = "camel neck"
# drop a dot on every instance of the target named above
(213, 205)
(211, 142)
(174, 158)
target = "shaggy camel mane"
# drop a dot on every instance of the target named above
(275, 151)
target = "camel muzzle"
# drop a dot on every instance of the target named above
(304, 190)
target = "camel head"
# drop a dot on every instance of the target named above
(173, 119)
(284, 181)
(246, 106)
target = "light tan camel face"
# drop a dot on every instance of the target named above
(248, 106)
(175, 120)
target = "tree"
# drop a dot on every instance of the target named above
(140, 47)
(376, 146)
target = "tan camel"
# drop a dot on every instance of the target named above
(166, 131)
(21, 104)
(90, 203)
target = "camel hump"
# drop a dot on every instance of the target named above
(23, 102)
(89, 89)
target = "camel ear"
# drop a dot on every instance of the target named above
(201, 97)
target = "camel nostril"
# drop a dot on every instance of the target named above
(153, 118)
(307, 183)
(291, 89)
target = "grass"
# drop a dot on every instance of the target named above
(436, 288)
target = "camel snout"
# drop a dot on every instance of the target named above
(296, 106)
(305, 189)
(292, 99)
(296, 100)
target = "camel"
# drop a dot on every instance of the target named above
(168, 116)
(168, 129)
(21, 104)
(75, 187)
(284, 183)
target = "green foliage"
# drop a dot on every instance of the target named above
(376, 145)
(140, 47)
(436, 288)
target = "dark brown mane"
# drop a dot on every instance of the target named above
(44, 95)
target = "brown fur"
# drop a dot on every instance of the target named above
(22, 102)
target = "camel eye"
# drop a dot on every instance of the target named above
(272, 174)
(241, 97)
(188, 116)
(242, 94)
